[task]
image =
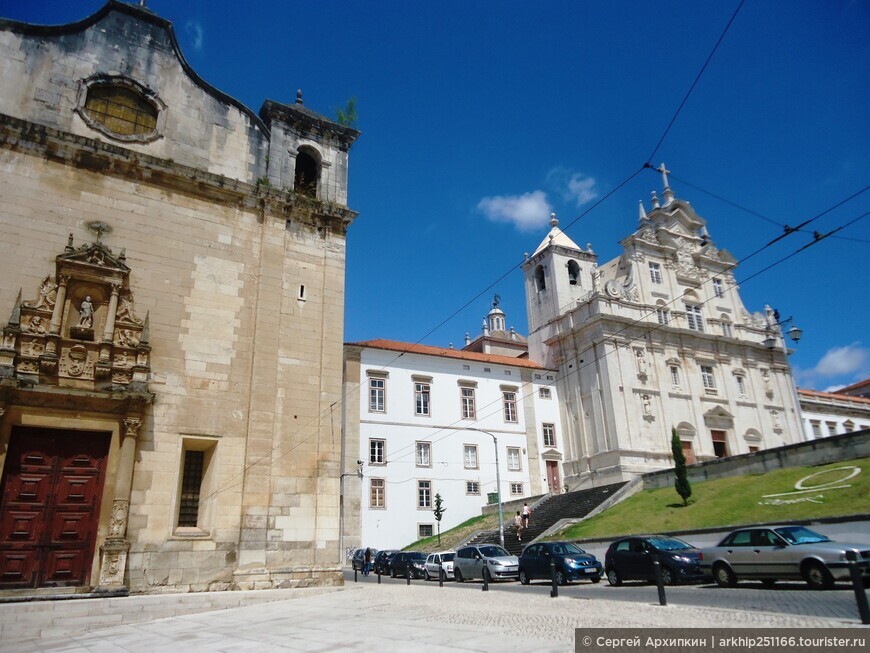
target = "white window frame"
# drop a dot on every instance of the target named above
(377, 394)
(727, 329)
(377, 493)
(708, 378)
(424, 495)
(423, 453)
(655, 273)
(741, 384)
(472, 487)
(514, 459)
(816, 428)
(373, 454)
(694, 317)
(470, 458)
(545, 393)
(516, 488)
(663, 315)
(422, 399)
(675, 375)
(468, 402)
(718, 287)
(549, 432)
(420, 531)
(509, 406)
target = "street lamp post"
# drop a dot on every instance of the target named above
(795, 333)
(497, 484)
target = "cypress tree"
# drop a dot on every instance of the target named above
(681, 476)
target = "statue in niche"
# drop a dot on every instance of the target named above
(86, 313)
(125, 310)
(641, 362)
(647, 405)
(768, 388)
(126, 338)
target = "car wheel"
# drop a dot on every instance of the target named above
(613, 578)
(428, 577)
(457, 575)
(668, 576)
(817, 576)
(524, 577)
(560, 577)
(723, 575)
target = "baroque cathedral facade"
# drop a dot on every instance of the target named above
(172, 292)
(654, 340)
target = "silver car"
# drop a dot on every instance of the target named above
(436, 562)
(787, 552)
(479, 560)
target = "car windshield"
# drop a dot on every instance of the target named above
(574, 550)
(800, 535)
(416, 556)
(446, 557)
(493, 551)
(669, 544)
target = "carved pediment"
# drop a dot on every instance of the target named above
(551, 454)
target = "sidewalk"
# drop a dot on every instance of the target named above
(383, 618)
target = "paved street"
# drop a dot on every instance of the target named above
(365, 617)
(783, 598)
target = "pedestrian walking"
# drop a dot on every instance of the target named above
(527, 513)
(367, 567)
(518, 525)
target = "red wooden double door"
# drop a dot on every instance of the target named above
(50, 506)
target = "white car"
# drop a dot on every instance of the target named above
(437, 561)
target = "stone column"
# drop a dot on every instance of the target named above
(109, 331)
(114, 550)
(51, 341)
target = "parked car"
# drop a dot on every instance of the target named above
(784, 552)
(631, 558)
(381, 564)
(476, 560)
(571, 562)
(408, 563)
(359, 558)
(435, 562)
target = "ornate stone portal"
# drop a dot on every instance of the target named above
(79, 346)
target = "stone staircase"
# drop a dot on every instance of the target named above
(547, 512)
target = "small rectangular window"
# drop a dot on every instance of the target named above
(423, 454)
(741, 385)
(378, 498)
(421, 398)
(472, 487)
(817, 428)
(727, 330)
(377, 452)
(832, 428)
(424, 494)
(513, 456)
(509, 400)
(470, 456)
(468, 399)
(191, 484)
(549, 435)
(718, 288)
(663, 315)
(675, 376)
(377, 394)
(708, 379)
(424, 530)
(516, 488)
(694, 318)
(544, 393)
(655, 273)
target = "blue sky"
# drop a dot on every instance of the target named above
(479, 118)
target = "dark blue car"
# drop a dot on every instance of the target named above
(632, 558)
(571, 562)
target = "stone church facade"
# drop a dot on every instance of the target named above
(654, 340)
(172, 293)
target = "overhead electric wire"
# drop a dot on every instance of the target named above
(695, 83)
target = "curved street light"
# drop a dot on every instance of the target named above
(497, 482)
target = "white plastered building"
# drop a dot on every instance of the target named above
(423, 421)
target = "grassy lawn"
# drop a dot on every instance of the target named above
(734, 501)
(455, 536)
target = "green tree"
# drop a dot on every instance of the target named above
(347, 116)
(681, 476)
(439, 513)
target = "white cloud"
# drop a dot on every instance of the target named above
(842, 360)
(840, 366)
(575, 187)
(527, 212)
(195, 31)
